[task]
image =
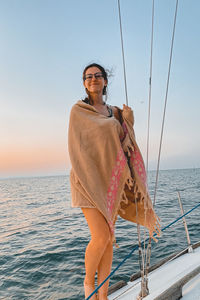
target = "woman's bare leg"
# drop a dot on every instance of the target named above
(104, 269)
(100, 238)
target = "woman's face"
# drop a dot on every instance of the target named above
(94, 81)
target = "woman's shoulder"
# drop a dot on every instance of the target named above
(75, 108)
(78, 104)
(116, 112)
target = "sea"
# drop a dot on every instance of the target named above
(43, 239)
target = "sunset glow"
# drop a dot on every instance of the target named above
(41, 78)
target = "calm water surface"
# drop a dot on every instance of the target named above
(43, 240)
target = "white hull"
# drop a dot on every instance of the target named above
(176, 278)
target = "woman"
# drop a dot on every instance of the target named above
(107, 176)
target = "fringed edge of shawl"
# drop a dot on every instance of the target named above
(155, 227)
(139, 194)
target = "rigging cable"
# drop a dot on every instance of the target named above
(123, 57)
(166, 95)
(148, 252)
(141, 254)
(150, 84)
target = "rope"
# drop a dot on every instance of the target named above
(123, 57)
(136, 247)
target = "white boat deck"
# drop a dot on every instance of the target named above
(161, 279)
(191, 290)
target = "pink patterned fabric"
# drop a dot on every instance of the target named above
(136, 159)
(138, 164)
(125, 130)
(114, 184)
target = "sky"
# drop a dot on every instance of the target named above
(45, 45)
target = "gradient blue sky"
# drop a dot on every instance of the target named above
(45, 44)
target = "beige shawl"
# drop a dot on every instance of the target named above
(107, 166)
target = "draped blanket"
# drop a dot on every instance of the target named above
(107, 166)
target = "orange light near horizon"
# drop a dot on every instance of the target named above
(30, 158)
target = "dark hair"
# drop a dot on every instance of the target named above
(104, 73)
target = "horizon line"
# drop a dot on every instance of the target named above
(68, 170)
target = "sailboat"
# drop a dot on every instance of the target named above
(175, 277)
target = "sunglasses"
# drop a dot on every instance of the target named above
(89, 77)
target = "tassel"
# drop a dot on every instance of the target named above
(130, 183)
(115, 243)
(124, 198)
(122, 211)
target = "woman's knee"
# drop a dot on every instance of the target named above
(99, 228)
(102, 239)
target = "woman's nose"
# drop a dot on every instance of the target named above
(93, 77)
